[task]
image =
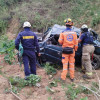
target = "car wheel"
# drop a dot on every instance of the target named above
(95, 61)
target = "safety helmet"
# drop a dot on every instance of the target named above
(84, 28)
(68, 22)
(26, 24)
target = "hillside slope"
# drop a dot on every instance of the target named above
(44, 13)
(57, 91)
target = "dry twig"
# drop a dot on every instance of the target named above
(14, 93)
(95, 93)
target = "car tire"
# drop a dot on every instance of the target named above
(95, 61)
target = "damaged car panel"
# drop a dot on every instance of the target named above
(51, 50)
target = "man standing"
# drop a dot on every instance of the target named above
(68, 40)
(29, 42)
(87, 42)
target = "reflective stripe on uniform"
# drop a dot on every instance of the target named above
(69, 33)
(65, 64)
(64, 69)
(85, 54)
(89, 73)
(28, 37)
(71, 63)
(71, 68)
(60, 39)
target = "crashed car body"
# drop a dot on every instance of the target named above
(51, 50)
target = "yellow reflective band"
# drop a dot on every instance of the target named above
(64, 69)
(83, 67)
(28, 37)
(89, 73)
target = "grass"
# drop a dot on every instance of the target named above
(45, 13)
(19, 83)
(73, 91)
(85, 98)
(49, 98)
(5, 16)
(50, 70)
(7, 47)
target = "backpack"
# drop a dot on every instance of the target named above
(89, 37)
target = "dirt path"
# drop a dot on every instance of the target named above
(38, 93)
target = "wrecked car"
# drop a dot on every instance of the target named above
(51, 50)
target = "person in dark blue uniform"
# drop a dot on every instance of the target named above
(87, 50)
(29, 42)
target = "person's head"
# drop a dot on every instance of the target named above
(84, 28)
(26, 24)
(68, 23)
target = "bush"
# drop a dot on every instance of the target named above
(73, 91)
(7, 47)
(21, 83)
(3, 26)
(8, 3)
(95, 21)
(50, 69)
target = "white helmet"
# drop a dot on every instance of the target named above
(84, 26)
(26, 24)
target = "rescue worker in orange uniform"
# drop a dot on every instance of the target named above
(68, 38)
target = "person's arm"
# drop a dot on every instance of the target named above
(76, 42)
(37, 45)
(61, 38)
(80, 38)
(17, 41)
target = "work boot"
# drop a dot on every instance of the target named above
(72, 80)
(87, 77)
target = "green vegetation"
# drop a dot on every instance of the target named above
(3, 26)
(45, 13)
(50, 69)
(7, 48)
(5, 13)
(49, 98)
(19, 83)
(53, 84)
(73, 91)
(84, 98)
(50, 90)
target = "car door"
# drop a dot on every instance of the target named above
(53, 53)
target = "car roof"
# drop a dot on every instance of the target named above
(57, 29)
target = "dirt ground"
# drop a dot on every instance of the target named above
(39, 93)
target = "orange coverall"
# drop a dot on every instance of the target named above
(68, 39)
